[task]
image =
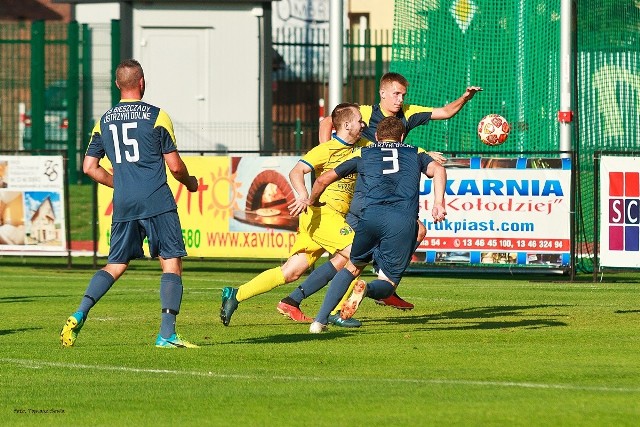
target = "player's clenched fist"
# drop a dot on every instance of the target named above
(438, 212)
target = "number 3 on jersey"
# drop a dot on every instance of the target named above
(131, 142)
(395, 167)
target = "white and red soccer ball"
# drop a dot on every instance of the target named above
(493, 129)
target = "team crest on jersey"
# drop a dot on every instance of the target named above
(346, 230)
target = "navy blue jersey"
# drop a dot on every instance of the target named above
(412, 116)
(134, 136)
(388, 175)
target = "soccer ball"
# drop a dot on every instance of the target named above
(493, 129)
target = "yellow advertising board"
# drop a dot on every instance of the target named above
(239, 210)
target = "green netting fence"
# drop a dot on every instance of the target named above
(511, 48)
(45, 89)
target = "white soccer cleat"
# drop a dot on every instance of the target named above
(317, 328)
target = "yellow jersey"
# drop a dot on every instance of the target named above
(327, 156)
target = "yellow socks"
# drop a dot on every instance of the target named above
(260, 284)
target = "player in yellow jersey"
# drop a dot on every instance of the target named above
(320, 230)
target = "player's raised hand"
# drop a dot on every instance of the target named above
(471, 91)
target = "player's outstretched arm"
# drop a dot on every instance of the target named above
(91, 167)
(180, 172)
(452, 108)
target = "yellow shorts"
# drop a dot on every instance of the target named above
(319, 230)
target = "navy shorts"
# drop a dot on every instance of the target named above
(352, 220)
(387, 236)
(163, 232)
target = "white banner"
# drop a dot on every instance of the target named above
(501, 211)
(619, 218)
(32, 204)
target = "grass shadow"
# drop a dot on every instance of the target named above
(293, 338)
(15, 331)
(485, 318)
(28, 298)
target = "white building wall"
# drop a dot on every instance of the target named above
(202, 67)
(212, 96)
(97, 12)
(98, 16)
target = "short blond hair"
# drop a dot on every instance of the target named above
(343, 113)
(128, 74)
(390, 78)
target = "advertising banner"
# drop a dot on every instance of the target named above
(32, 204)
(239, 210)
(501, 211)
(619, 212)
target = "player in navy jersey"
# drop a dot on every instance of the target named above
(392, 91)
(388, 178)
(138, 140)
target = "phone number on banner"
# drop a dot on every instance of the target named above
(498, 244)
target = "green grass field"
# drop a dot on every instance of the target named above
(80, 211)
(495, 350)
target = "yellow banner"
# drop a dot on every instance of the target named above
(239, 209)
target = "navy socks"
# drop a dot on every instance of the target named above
(338, 287)
(317, 280)
(170, 300)
(99, 284)
(379, 289)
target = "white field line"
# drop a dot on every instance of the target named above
(37, 364)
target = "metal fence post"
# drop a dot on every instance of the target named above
(87, 92)
(37, 85)
(379, 60)
(115, 58)
(72, 101)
